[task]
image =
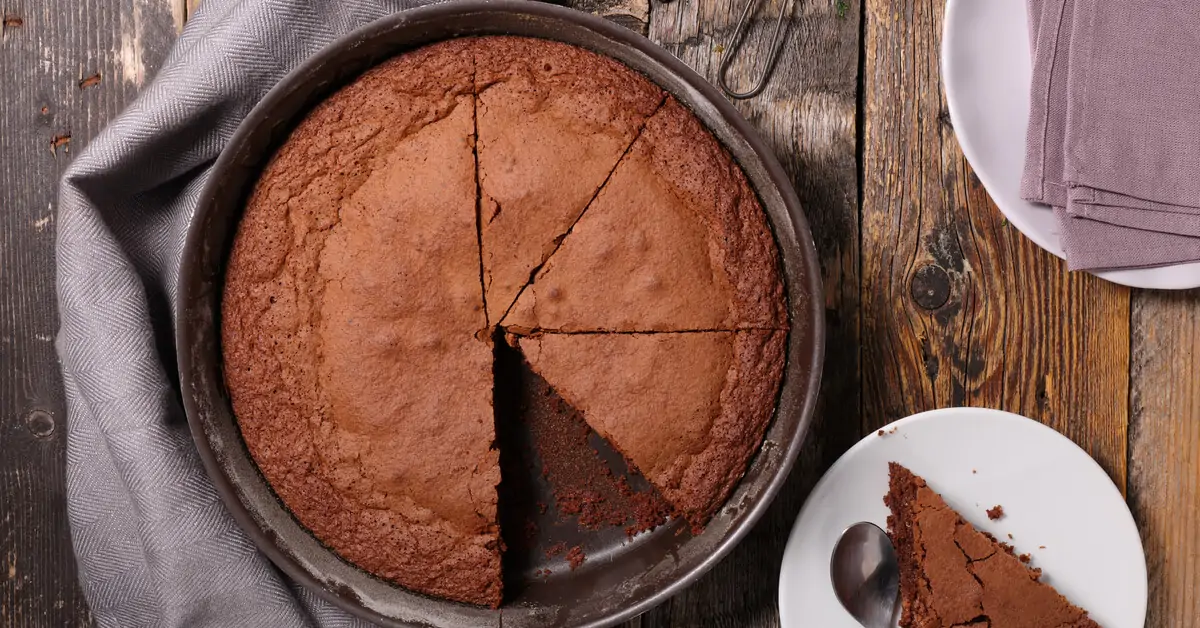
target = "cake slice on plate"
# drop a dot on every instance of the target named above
(952, 575)
(687, 409)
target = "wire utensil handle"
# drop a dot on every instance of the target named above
(736, 40)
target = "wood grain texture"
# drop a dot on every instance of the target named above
(1164, 460)
(807, 116)
(632, 14)
(64, 72)
(958, 308)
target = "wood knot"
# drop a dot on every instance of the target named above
(40, 423)
(930, 287)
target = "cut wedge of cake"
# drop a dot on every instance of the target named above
(687, 409)
(553, 122)
(954, 575)
(675, 241)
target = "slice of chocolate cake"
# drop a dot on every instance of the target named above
(423, 196)
(675, 241)
(954, 575)
(553, 120)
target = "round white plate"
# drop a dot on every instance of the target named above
(987, 71)
(1052, 492)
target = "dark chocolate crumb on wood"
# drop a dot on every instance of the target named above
(60, 141)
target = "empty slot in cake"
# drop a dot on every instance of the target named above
(562, 486)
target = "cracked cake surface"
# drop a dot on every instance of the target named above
(351, 299)
(952, 575)
(553, 122)
(391, 231)
(676, 241)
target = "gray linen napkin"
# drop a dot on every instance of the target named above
(154, 543)
(1114, 137)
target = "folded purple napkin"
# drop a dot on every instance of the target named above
(1113, 142)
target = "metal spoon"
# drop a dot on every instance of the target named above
(866, 577)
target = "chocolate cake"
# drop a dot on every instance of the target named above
(954, 575)
(386, 239)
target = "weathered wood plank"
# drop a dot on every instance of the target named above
(958, 307)
(66, 69)
(1164, 460)
(807, 115)
(632, 14)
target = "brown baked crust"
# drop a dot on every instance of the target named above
(675, 241)
(348, 324)
(951, 574)
(553, 121)
(687, 409)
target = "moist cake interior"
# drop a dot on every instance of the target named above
(534, 273)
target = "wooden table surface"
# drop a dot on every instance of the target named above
(933, 300)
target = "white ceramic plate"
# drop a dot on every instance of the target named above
(1052, 492)
(986, 69)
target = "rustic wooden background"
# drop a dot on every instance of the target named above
(932, 299)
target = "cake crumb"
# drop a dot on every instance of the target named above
(1041, 547)
(60, 141)
(974, 471)
(556, 549)
(1024, 558)
(13, 21)
(995, 513)
(576, 557)
(90, 81)
(881, 432)
(1010, 536)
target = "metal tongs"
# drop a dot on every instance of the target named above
(739, 34)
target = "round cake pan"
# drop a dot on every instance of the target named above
(616, 585)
